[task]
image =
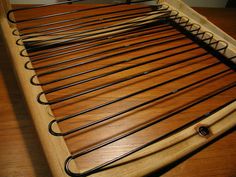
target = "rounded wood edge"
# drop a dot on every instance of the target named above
(173, 148)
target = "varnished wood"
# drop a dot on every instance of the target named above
(21, 153)
(84, 139)
(39, 111)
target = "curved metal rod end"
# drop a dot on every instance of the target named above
(50, 128)
(68, 170)
(27, 65)
(15, 32)
(9, 16)
(39, 99)
(23, 53)
(33, 82)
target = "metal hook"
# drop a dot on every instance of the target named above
(222, 48)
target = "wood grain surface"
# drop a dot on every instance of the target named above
(20, 151)
(208, 156)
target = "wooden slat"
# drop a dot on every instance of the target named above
(216, 129)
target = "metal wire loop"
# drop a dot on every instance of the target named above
(100, 44)
(69, 132)
(206, 34)
(10, 12)
(224, 47)
(197, 26)
(184, 18)
(80, 82)
(190, 36)
(100, 167)
(78, 25)
(176, 13)
(83, 33)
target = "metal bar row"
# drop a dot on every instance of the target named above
(128, 96)
(82, 35)
(90, 33)
(9, 14)
(64, 28)
(97, 32)
(135, 36)
(113, 72)
(114, 139)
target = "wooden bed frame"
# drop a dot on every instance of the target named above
(168, 150)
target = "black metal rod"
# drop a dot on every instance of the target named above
(101, 42)
(133, 94)
(112, 55)
(71, 45)
(93, 89)
(79, 38)
(114, 49)
(134, 36)
(70, 20)
(110, 65)
(61, 28)
(147, 33)
(165, 116)
(101, 86)
(99, 167)
(59, 14)
(95, 31)
(40, 46)
(122, 98)
(212, 49)
(26, 38)
(99, 76)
